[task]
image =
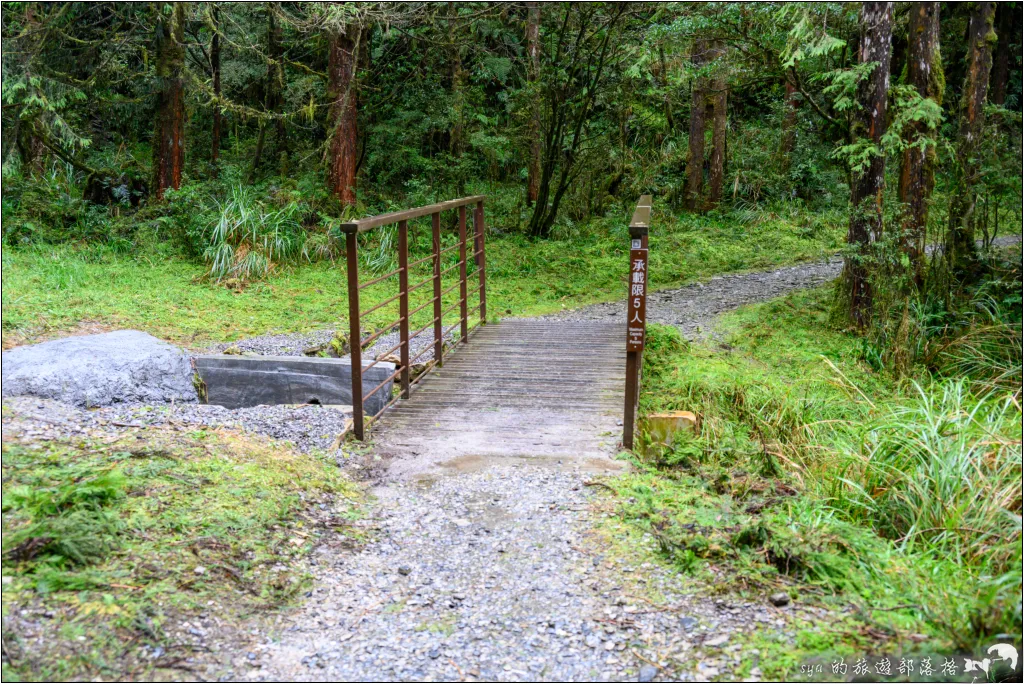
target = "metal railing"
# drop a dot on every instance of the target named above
(636, 314)
(357, 343)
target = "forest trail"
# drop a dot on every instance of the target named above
(492, 559)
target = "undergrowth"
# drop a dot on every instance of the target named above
(814, 473)
(50, 289)
(112, 543)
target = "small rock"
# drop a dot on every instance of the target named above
(779, 598)
(647, 673)
(404, 570)
(200, 570)
(719, 640)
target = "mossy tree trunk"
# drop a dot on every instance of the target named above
(215, 72)
(532, 75)
(960, 247)
(719, 100)
(787, 141)
(1007, 27)
(343, 150)
(917, 170)
(695, 158)
(868, 180)
(169, 134)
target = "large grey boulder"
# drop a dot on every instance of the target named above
(99, 370)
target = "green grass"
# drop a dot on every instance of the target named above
(814, 474)
(109, 545)
(52, 290)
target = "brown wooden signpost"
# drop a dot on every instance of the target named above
(636, 314)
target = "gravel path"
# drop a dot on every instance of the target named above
(694, 308)
(499, 574)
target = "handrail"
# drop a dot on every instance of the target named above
(357, 342)
(363, 225)
(636, 314)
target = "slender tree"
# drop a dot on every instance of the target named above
(343, 151)
(1008, 16)
(960, 247)
(169, 136)
(868, 178)
(719, 100)
(215, 71)
(532, 74)
(695, 159)
(585, 48)
(917, 170)
(788, 139)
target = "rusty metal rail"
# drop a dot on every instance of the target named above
(357, 343)
(636, 314)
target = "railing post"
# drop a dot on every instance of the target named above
(403, 302)
(481, 261)
(435, 226)
(463, 304)
(355, 338)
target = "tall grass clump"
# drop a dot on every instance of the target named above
(248, 237)
(918, 479)
(941, 473)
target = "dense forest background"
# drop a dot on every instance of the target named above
(241, 135)
(184, 168)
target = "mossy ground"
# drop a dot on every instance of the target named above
(109, 544)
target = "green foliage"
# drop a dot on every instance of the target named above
(810, 465)
(107, 536)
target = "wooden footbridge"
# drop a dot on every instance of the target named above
(512, 387)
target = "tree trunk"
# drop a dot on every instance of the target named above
(169, 134)
(917, 171)
(456, 137)
(272, 88)
(788, 140)
(868, 182)
(341, 89)
(695, 160)
(1007, 22)
(967, 167)
(719, 100)
(275, 82)
(532, 75)
(670, 123)
(215, 68)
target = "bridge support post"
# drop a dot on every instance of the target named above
(435, 225)
(481, 263)
(354, 339)
(463, 293)
(403, 302)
